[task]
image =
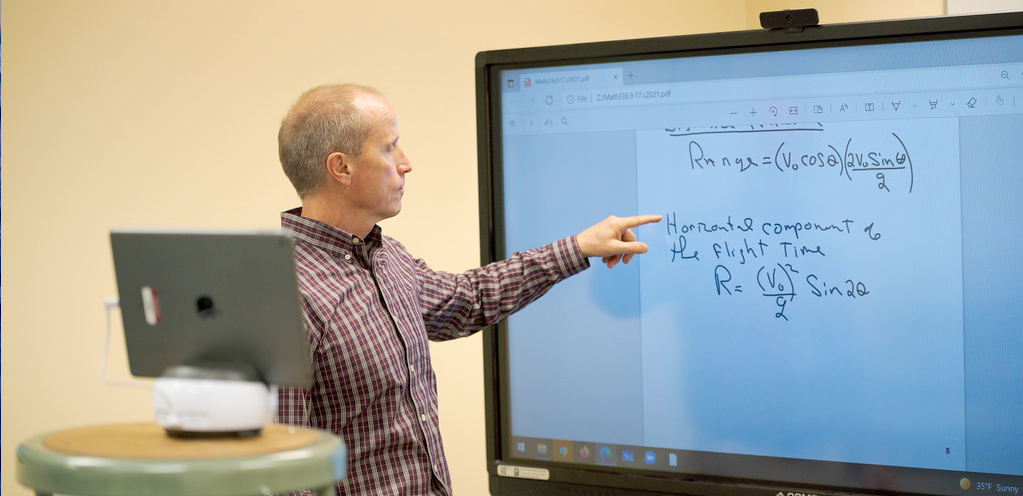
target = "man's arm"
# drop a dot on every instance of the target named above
(613, 240)
(456, 305)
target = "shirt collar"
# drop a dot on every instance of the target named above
(324, 235)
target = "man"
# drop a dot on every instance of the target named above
(370, 307)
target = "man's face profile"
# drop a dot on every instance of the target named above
(378, 171)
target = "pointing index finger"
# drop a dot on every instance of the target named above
(638, 220)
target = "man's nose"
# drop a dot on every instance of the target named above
(403, 162)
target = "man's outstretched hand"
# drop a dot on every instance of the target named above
(613, 240)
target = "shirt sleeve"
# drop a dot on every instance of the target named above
(457, 305)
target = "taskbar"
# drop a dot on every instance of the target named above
(738, 467)
(590, 453)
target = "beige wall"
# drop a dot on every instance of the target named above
(158, 114)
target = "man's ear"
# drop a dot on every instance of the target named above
(339, 168)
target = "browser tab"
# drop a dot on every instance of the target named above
(583, 78)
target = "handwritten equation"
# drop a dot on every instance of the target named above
(849, 159)
(764, 255)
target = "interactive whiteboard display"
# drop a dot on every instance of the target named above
(834, 279)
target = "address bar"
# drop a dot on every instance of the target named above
(801, 86)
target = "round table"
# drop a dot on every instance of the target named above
(140, 459)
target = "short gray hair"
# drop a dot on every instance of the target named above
(322, 121)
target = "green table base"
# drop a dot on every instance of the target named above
(315, 466)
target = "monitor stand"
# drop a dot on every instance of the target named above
(212, 401)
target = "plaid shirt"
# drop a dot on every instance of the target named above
(369, 308)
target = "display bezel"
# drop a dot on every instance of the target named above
(562, 478)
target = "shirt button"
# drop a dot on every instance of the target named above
(348, 256)
(356, 240)
(422, 417)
